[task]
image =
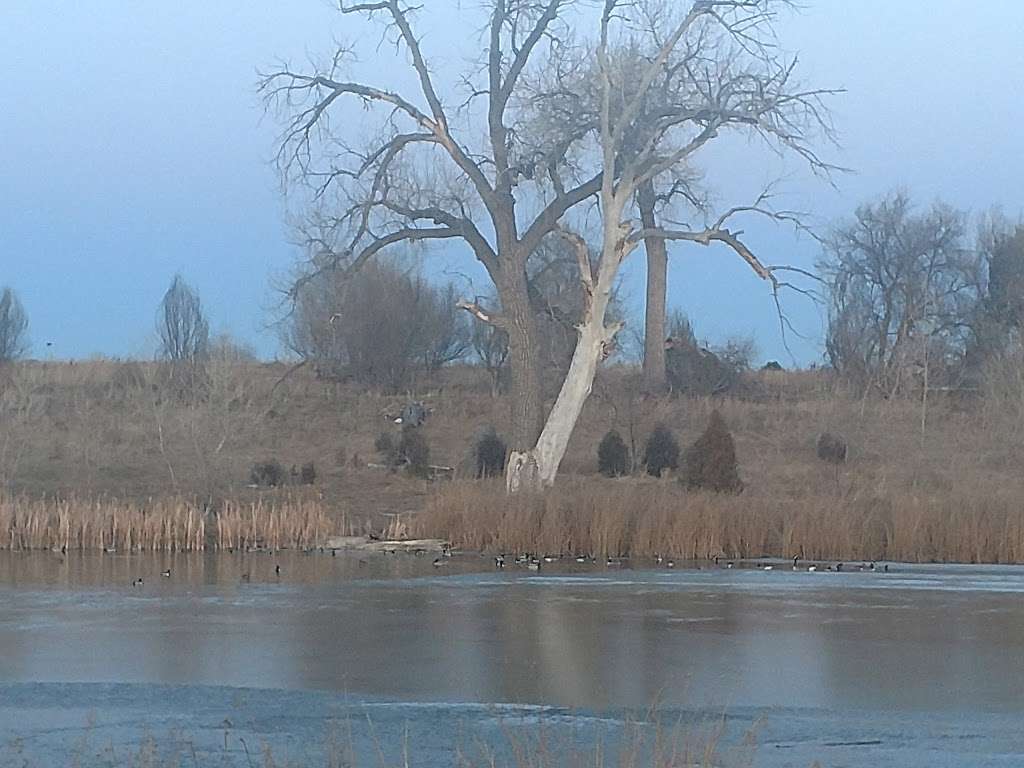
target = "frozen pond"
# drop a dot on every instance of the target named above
(922, 666)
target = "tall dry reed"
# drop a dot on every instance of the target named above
(631, 518)
(160, 525)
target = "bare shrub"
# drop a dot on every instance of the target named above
(224, 348)
(490, 345)
(661, 451)
(613, 455)
(491, 453)
(711, 461)
(692, 368)
(13, 326)
(127, 376)
(380, 326)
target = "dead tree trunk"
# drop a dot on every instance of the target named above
(653, 380)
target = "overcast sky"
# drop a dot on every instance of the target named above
(133, 146)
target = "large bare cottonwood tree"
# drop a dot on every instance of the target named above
(701, 70)
(440, 169)
(567, 118)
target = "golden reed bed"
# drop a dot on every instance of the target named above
(643, 519)
(160, 525)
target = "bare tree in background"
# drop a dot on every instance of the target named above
(904, 288)
(380, 326)
(490, 346)
(181, 324)
(13, 326)
(715, 67)
(500, 194)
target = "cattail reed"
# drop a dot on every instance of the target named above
(170, 524)
(644, 519)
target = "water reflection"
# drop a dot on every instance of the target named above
(395, 627)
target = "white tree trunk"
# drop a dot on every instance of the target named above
(579, 381)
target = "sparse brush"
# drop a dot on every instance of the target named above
(612, 455)
(661, 452)
(711, 461)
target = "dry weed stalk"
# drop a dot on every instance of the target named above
(171, 524)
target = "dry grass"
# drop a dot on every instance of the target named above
(106, 429)
(635, 518)
(167, 524)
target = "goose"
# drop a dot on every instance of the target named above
(613, 562)
(839, 566)
(166, 574)
(499, 561)
(438, 562)
(137, 582)
(767, 567)
(581, 559)
(550, 558)
(277, 570)
(659, 559)
(796, 559)
(730, 564)
(534, 565)
(670, 564)
(812, 568)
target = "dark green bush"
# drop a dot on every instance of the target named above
(711, 461)
(613, 455)
(267, 474)
(491, 452)
(307, 475)
(414, 450)
(661, 451)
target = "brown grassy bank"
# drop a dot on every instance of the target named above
(912, 487)
(630, 518)
(167, 524)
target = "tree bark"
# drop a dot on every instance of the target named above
(653, 379)
(558, 429)
(525, 394)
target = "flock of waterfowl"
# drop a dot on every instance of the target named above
(534, 562)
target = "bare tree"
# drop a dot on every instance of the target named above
(653, 377)
(13, 326)
(1001, 309)
(500, 196)
(715, 67)
(490, 346)
(904, 289)
(379, 327)
(181, 324)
